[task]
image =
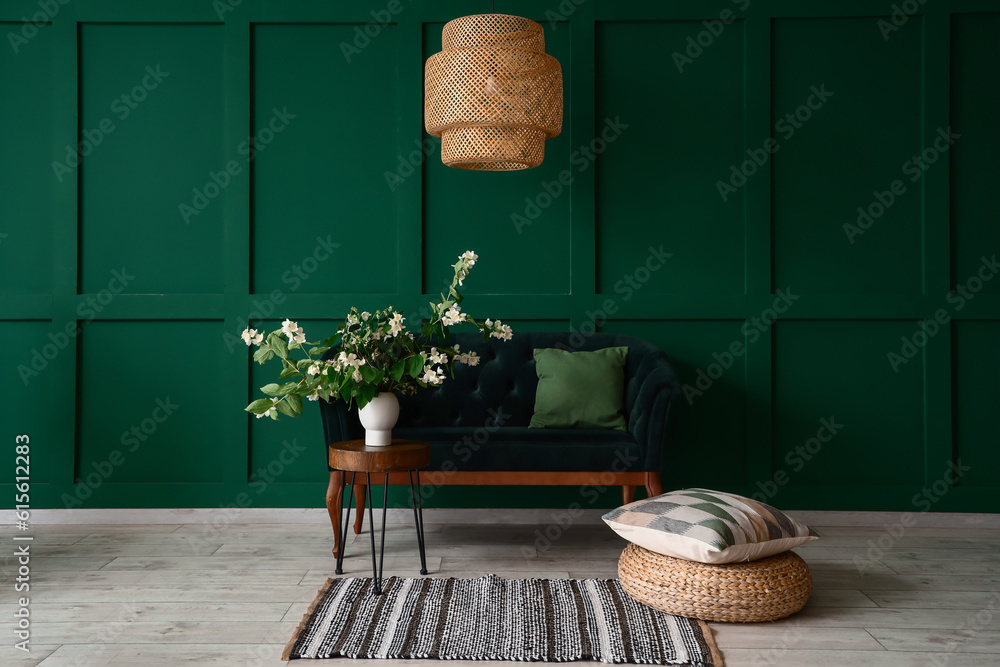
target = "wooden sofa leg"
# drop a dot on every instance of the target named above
(334, 493)
(653, 487)
(628, 493)
(359, 499)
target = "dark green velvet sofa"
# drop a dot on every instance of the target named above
(477, 422)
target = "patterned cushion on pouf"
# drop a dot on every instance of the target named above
(708, 526)
(762, 590)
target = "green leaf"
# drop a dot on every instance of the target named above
(398, 369)
(302, 364)
(260, 406)
(288, 372)
(276, 341)
(415, 365)
(285, 409)
(319, 350)
(286, 388)
(263, 355)
(295, 402)
(365, 395)
(280, 346)
(369, 374)
(271, 389)
(345, 393)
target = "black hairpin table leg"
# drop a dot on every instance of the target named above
(347, 520)
(418, 519)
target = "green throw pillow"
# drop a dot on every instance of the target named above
(580, 389)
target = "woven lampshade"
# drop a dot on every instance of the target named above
(492, 94)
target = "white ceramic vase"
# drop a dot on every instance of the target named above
(378, 418)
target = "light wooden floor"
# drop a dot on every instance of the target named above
(167, 594)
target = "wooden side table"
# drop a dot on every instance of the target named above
(352, 456)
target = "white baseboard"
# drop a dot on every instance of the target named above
(257, 515)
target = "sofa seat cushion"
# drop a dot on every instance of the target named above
(528, 449)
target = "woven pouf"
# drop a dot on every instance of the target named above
(762, 590)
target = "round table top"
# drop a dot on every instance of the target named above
(401, 455)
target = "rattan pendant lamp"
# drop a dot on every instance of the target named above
(492, 94)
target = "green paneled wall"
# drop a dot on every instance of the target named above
(773, 198)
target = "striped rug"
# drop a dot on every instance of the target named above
(491, 618)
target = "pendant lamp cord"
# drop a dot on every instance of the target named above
(493, 6)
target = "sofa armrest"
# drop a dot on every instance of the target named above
(658, 387)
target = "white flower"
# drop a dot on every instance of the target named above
(453, 316)
(501, 331)
(472, 359)
(293, 331)
(431, 376)
(252, 337)
(314, 369)
(437, 357)
(313, 397)
(356, 375)
(465, 262)
(396, 325)
(365, 315)
(352, 319)
(488, 323)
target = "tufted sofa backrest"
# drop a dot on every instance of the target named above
(505, 381)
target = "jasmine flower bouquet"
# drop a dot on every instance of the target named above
(376, 353)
